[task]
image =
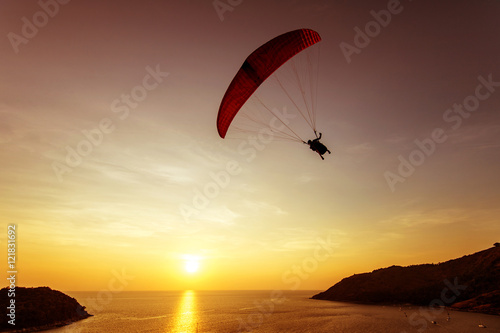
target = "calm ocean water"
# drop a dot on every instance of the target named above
(260, 311)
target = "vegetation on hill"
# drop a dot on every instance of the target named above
(38, 308)
(470, 282)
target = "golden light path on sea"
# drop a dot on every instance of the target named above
(186, 318)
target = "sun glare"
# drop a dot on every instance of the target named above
(192, 266)
(191, 263)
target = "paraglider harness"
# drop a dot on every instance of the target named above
(317, 146)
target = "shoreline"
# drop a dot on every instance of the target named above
(409, 305)
(45, 327)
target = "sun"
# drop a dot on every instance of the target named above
(191, 263)
(192, 266)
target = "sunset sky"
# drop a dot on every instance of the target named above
(285, 219)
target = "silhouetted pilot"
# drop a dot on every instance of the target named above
(318, 146)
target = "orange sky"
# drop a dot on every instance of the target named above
(285, 219)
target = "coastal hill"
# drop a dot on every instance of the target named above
(38, 308)
(470, 283)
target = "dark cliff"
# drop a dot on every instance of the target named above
(469, 282)
(38, 308)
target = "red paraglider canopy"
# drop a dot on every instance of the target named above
(257, 68)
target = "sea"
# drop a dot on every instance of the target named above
(261, 311)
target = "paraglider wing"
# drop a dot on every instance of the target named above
(257, 68)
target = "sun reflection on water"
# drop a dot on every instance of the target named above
(186, 318)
